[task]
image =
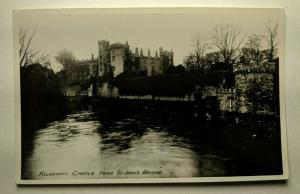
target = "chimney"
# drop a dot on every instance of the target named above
(141, 53)
(148, 52)
(136, 51)
(160, 50)
(156, 55)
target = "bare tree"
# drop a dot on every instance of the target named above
(27, 54)
(196, 59)
(212, 57)
(66, 58)
(228, 40)
(200, 49)
(255, 47)
(245, 55)
(272, 40)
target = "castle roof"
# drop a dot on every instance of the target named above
(118, 45)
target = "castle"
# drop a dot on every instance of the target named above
(255, 89)
(115, 59)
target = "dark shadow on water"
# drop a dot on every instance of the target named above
(120, 137)
(249, 147)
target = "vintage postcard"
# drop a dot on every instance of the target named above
(149, 95)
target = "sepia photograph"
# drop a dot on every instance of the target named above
(149, 95)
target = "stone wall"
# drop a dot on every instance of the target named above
(254, 84)
(253, 91)
(225, 97)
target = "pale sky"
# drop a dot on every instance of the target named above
(79, 30)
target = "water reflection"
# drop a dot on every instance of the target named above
(82, 142)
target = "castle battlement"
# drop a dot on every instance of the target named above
(217, 91)
(254, 67)
(87, 61)
(225, 91)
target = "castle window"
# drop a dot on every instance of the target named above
(113, 58)
(113, 52)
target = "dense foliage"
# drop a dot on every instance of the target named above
(41, 97)
(172, 85)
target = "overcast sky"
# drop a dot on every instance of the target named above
(79, 30)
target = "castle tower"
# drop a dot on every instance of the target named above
(156, 55)
(104, 57)
(141, 53)
(118, 57)
(166, 58)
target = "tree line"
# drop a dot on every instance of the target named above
(226, 46)
(229, 45)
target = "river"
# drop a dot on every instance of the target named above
(84, 145)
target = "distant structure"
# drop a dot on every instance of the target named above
(118, 58)
(82, 70)
(104, 66)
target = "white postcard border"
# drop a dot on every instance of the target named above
(282, 87)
